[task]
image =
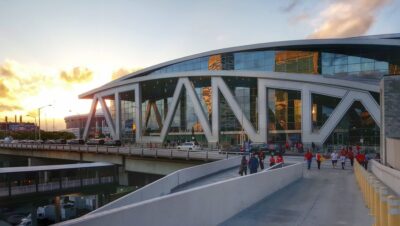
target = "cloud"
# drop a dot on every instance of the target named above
(345, 18)
(122, 72)
(9, 107)
(77, 75)
(4, 91)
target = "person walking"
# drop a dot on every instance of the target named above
(243, 166)
(308, 156)
(318, 157)
(279, 159)
(343, 160)
(253, 164)
(334, 158)
(350, 155)
(261, 159)
(271, 161)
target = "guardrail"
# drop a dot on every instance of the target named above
(51, 186)
(383, 203)
(389, 176)
(205, 205)
(166, 184)
(206, 155)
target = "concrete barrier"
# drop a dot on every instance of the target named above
(164, 185)
(383, 204)
(205, 205)
(389, 176)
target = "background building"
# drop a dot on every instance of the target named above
(322, 91)
(97, 128)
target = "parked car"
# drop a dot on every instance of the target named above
(76, 141)
(50, 142)
(95, 142)
(191, 146)
(113, 143)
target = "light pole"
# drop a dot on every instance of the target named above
(39, 117)
(35, 123)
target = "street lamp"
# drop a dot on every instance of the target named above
(35, 123)
(39, 117)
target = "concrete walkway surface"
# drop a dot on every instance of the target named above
(323, 197)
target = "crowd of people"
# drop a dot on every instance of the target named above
(346, 153)
(256, 161)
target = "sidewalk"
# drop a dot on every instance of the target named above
(324, 197)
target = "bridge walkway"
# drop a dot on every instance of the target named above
(323, 197)
(224, 175)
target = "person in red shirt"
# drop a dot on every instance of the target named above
(279, 159)
(350, 155)
(308, 156)
(271, 161)
(318, 157)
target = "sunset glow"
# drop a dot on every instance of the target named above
(52, 51)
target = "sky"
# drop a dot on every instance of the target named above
(52, 51)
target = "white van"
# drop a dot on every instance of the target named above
(189, 146)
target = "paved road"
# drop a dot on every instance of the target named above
(326, 197)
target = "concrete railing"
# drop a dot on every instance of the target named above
(389, 176)
(205, 205)
(164, 185)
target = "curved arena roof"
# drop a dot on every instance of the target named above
(389, 43)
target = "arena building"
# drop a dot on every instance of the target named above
(323, 91)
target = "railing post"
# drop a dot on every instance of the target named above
(207, 155)
(187, 156)
(393, 211)
(107, 149)
(130, 150)
(156, 152)
(142, 152)
(97, 148)
(170, 155)
(226, 155)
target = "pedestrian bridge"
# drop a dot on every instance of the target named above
(214, 194)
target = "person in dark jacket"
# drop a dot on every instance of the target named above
(243, 166)
(253, 164)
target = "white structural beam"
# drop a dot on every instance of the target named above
(117, 101)
(215, 109)
(237, 111)
(107, 116)
(90, 117)
(262, 110)
(198, 109)
(138, 112)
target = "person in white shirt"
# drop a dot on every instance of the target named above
(343, 160)
(334, 158)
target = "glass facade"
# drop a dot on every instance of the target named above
(322, 108)
(156, 99)
(356, 127)
(128, 115)
(185, 125)
(357, 64)
(297, 62)
(284, 116)
(344, 65)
